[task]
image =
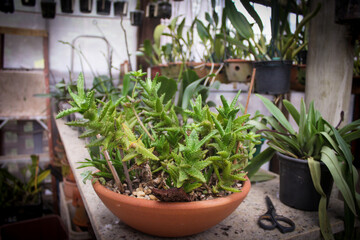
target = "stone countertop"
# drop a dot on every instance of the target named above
(241, 224)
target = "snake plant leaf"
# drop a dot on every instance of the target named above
(292, 110)
(255, 163)
(345, 149)
(277, 114)
(238, 20)
(315, 172)
(329, 158)
(352, 136)
(350, 127)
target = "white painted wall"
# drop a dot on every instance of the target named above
(66, 27)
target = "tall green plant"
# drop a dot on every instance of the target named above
(316, 141)
(284, 44)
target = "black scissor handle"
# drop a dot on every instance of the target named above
(276, 222)
(289, 227)
(264, 221)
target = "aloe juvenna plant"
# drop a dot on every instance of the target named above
(145, 139)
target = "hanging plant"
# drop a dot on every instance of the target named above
(163, 10)
(85, 6)
(28, 3)
(150, 10)
(137, 16)
(121, 8)
(48, 9)
(103, 7)
(67, 6)
(7, 6)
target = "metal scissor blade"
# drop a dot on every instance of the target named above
(269, 204)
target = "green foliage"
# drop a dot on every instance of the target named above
(204, 149)
(315, 141)
(284, 44)
(15, 191)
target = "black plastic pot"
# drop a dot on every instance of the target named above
(272, 77)
(48, 8)
(121, 8)
(29, 3)
(85, 6)
(296, 186)
(136, 17)
(12, 214)
(150, 10)
(103, 7)
(7, 6)
(48, 227)
(67, 6)
(163, 10)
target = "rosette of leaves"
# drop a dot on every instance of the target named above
(145, 139)
(316, 140)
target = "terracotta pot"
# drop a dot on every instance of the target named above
(69, 188)
(238, 70)
(166, 219)
(204, 69)
(297, 77)
(171, 70)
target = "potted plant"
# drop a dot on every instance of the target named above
(149, 153)
(150, 10)
(318, 154)
(162, 9)
(238, 67)
(7, 6)
(213, 39)
(67, 6)
(29, 3)
(273, 60)
(103, 7)
(48, 9)
(121, 8)
(21, 198)
(86, 6)
(136, 16)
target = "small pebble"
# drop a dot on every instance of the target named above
(152, 197)
(140, 194)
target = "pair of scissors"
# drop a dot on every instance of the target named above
(275, 220)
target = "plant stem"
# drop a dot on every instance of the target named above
(112, 169)
(141, 124)
(126, 172)
(126, 42)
